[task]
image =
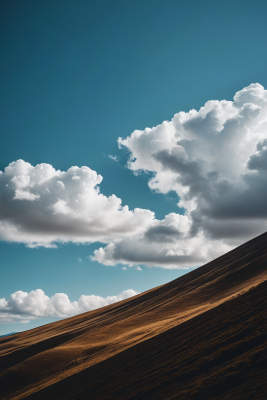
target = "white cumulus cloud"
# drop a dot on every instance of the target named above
(23, 307)
(167, 243)
(215, 159)
(40, 206)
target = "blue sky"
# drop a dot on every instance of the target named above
(76, 76)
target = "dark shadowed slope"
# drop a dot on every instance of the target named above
(218, 354)
(200, 336)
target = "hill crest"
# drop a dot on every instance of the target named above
(57, 359)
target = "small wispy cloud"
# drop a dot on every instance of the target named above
(79, 259)
(124, 268)
(138, 268)
(113, 158)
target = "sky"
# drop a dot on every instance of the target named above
(133, 147)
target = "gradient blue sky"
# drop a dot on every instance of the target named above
(76, 75)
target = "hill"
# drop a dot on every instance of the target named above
(8, 334)
(201, 336)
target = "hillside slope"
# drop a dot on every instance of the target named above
(202, 335)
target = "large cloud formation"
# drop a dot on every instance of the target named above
(215, 159)
(40, 206)
(23, 307)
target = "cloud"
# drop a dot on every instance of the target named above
(124, 268)
(138, 268)
(23, 307)
(215, 159)
(40, 206)
(258, 161)
(79, 259)
(167, 243)
(113, 158)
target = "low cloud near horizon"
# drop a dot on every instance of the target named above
(215, 159)
(23, 307)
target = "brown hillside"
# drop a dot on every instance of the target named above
(201, 336)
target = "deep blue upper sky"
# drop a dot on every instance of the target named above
(76, 75)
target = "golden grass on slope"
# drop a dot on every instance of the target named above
(59, 360)
(220, 354)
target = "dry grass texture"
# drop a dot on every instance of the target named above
(201, 336)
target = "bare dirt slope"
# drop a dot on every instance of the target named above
(201, 336)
